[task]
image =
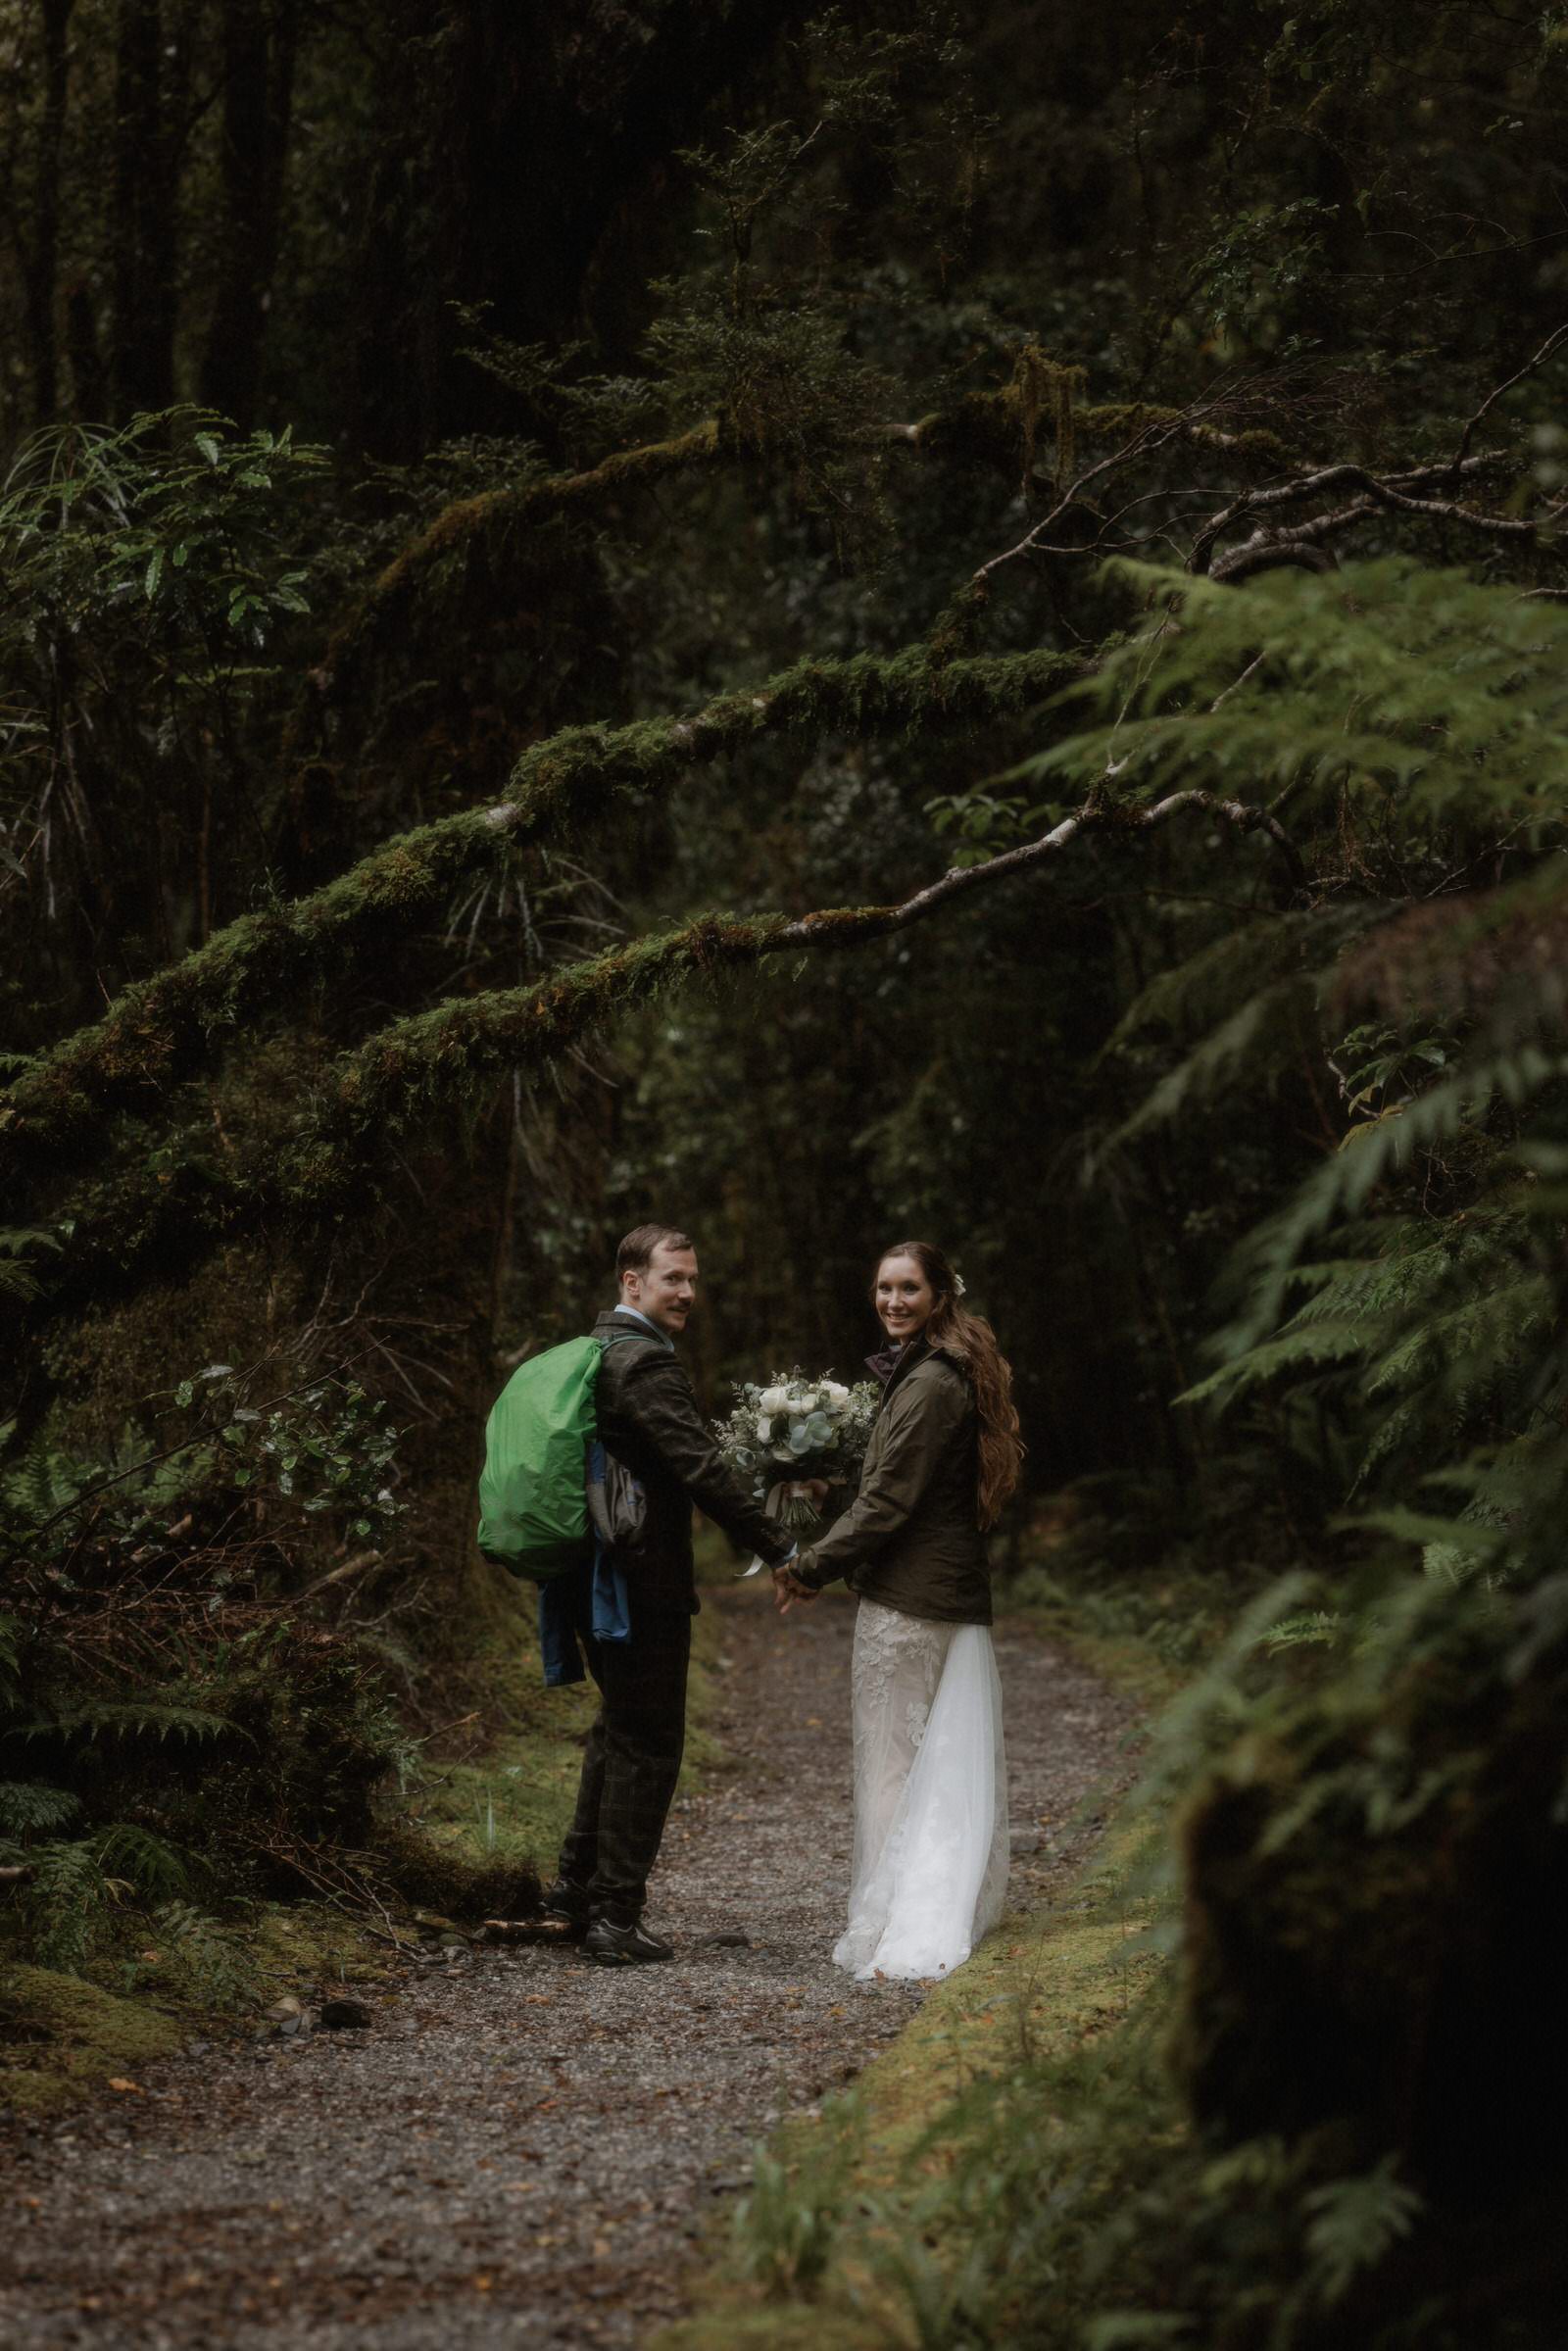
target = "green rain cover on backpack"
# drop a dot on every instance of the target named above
(533, 1509)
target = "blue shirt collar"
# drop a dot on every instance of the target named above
(664, 1337)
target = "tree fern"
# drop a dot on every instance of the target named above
(1250, 1036)
(1344, 1184)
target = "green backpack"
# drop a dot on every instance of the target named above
(534, 1500)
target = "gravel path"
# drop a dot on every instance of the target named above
(522, 2146)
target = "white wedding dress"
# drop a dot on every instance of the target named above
(930, 1795)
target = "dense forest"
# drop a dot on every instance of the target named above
(819, 624)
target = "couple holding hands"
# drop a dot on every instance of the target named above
(930, 1864)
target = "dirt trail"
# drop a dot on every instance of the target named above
(523, 2148)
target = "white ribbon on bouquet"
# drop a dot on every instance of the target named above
(787, 1490)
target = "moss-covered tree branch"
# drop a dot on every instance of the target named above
(483, 525)
(433, 1064)
(169, 1026)
(1039, 414)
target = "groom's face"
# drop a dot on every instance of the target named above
(665, 1289)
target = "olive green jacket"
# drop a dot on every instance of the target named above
(910, 1540)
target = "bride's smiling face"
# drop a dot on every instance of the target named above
(904, 1299)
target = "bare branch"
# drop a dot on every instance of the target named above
(1551, 344)
(1097, 814)
(1148, 437)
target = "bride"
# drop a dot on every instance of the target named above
(930, 1785)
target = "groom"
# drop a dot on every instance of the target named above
(649, 1420)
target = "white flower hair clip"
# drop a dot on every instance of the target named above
(960, 1287)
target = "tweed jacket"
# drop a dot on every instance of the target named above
(649, 1419)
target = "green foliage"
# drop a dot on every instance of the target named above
(18, 1279)
(148, 570)
(187, 1011)
(26, 1807)
(326, 1449)
(1264, 261)
(1355, 2224)
(786, 2227)
(1396, 697)
(209, 1960)
(174, 508)
(130, 1718)
(301, 758)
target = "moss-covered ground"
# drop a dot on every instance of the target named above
(144, 1994)
(847, 2233)
(845, 2217)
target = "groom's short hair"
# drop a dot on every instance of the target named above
(636, 1253)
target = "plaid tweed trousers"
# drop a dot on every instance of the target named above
(631, 1763)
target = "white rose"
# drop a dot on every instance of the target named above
(765, 1430)
(835, 1391)
(773, 1399)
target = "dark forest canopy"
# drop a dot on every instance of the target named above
(689, 440)
(825, 623)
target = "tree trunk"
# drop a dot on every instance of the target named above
(260, 46)
(152, 68)
(42, 263)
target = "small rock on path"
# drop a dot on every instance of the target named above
(523, 2148)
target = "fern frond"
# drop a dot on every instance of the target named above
(1354, 2223)
(1344, 1184)
(18, 1280)
(26, 1807)
(1306, 1345)
(1413, 697)
(1467, 1348)
(67, 1901)
(1314, 1627)
(1235, 1048)
(156, 1869)
(129, 1718)
(1196, 992)
(1422, 1528)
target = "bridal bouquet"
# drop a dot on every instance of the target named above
(794, 1430)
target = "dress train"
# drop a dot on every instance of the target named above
(930, 1870)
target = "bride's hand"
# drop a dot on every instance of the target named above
(789, 1591)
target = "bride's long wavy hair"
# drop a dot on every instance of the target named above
(971, 1338)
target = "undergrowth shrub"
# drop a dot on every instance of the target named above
(181, 1731)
